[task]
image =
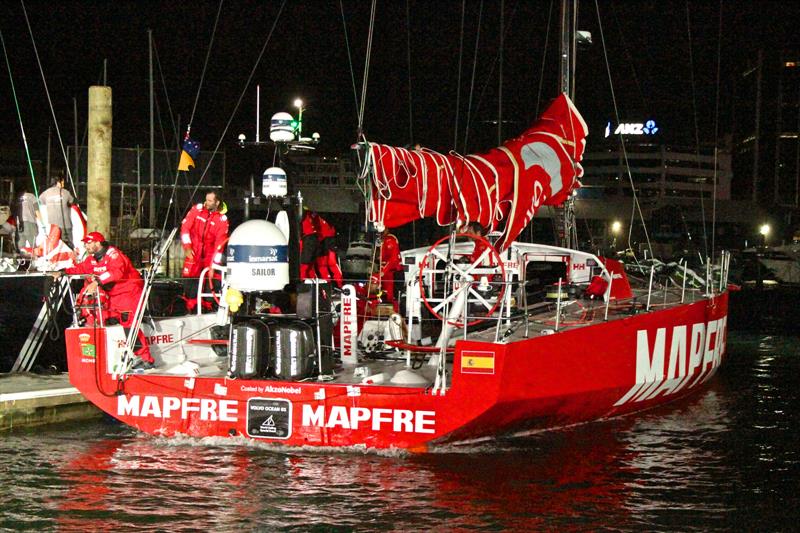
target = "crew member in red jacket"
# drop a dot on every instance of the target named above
(390, 264)
(318, 257)
(204, 232)
(112, 271)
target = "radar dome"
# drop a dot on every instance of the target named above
(258, 257)
(281, 129)
(273, 182)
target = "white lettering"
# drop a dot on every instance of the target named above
(403, 421)
(190, 405)
(313, 416)
(687, 365)
(358, 414)
(424, 421)
(128, 405)
(228, 409)
(380, 416)
(208, 409)
(170, 406)
(400, 420)
(151, 407)
(338, 417)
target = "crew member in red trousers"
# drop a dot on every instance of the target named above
(112, 271)
(204, 232)
(390, 263)
(318, 258)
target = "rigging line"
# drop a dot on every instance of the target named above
(458, 85)
(626, 50)
(365, 79)
(50, 102)
(408, 59)
(500, 74)
(544, 58)
(472, 79)
(19, 117)
(166, 96)
(205, 66)
(494, 63)
(349, 56)
(238, 103)
(163, 134)
(696, 130)
(171, 201)
(716, 137)
(636, 206)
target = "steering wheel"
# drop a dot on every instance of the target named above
(457, 274)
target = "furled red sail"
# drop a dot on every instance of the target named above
(502, 189)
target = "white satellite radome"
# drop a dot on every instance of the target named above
(258, 257)
(273, 182)
(280, 128)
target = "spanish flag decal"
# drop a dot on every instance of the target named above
(474, 362)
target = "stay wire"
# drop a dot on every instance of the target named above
(238, 103)
(364, 82)
(472, 80)
(495, 62)
(19, 119)
(696, 129)
(636, 205)
(458, 84)
(544, 57)
(50, 103)
(205, 67)
(191, 117)
(716, 138)
(349, 57)
(166, 96)
(408, 59)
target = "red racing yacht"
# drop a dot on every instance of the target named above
(491, 337)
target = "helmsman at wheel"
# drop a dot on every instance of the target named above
(112, 271)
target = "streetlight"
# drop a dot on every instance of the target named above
(616, 227)
(764, 231)
(298, 103)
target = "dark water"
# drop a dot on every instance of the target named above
(21, 299)
(727, 458)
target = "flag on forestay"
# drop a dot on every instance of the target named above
(188, 154)
(502, 189)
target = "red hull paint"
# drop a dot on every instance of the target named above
(589, 373)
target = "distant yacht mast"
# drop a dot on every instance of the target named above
(566, 85)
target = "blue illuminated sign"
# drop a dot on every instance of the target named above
(633, 128)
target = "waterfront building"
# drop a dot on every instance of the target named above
(766, 134)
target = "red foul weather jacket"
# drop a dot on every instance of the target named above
(116, 275)
(318, 250)
(205, 233)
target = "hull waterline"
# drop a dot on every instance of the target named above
(593, 372)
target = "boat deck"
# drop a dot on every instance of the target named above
(383, 368)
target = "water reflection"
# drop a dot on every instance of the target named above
(725, 457)
(540, 482)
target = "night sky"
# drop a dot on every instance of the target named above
(647, 44)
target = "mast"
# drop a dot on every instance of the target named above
(152, 220)
(566, 85)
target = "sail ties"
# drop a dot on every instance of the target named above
(509, 183)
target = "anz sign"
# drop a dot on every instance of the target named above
(633, 128)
